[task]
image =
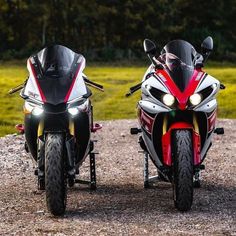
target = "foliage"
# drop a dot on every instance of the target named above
(112, 104)
(114, 29)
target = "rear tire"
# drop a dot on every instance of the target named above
(183, 169)
(55, 179)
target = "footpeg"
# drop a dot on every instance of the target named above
(219, 131)
(135, 131)
(96, 127)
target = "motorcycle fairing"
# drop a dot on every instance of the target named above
(146, 120)
(32, 88)
(154, 107)
(55, 75)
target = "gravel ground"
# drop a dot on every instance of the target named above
(120, 206)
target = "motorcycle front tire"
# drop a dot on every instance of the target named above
(183, 169)
(55, 178)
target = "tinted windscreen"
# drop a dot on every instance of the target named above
(56, 61)
(55, 68)
(177, 58)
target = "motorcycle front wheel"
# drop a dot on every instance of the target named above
(55, 178)
(183, 169)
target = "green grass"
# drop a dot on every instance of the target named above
(112, 104)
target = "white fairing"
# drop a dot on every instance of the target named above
(79, 88)
(210, 103)
(148, 102)
(31, 89)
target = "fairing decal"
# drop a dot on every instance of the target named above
(211, 121)
(145, 120)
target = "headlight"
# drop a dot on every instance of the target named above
(195, 99)
(73, 111)
(37, 111)
(83, 107)
(168, 99)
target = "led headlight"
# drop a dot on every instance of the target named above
(34, 109)
(168, 99)
(73, 111)
(195, 99)
(37, 111)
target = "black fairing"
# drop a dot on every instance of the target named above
(82, 126)
(177, 57)
(31, 127)
(55, 68)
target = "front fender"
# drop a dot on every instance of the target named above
(166, 143)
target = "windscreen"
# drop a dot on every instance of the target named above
(56, 67)
(177, 58)
(56, 61)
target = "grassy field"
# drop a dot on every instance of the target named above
(112, 104)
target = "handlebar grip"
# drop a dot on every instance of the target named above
(222, 86)
(89, 82)
(13, 90)
(133, 89)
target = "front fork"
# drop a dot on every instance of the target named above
(166, 144)
(69, 151)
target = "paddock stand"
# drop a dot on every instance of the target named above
(92, 156)
(149, 181)
(92, 182)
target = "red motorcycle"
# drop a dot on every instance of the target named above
(177, 114)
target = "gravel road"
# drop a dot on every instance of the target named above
(120, 206)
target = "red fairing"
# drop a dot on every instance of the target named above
(166, 143)
(35, 78)
(145, 120)
(182, 97)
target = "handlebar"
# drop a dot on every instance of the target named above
(93, 84)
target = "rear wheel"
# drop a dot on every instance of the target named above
(55, 179)
(183, 169)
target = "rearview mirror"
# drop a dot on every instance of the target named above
(207, 47)
(149, 47)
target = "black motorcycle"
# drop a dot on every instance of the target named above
(58, 121)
